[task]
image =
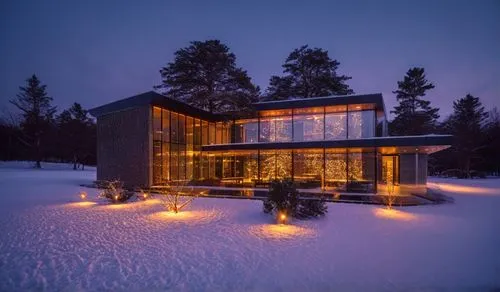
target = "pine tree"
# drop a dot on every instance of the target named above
(466, 124)
(38, 116)
(76, 137)
(205, 75)
(493, 141)
(308, 73)
(414, 115)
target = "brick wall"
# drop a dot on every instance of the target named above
(123, 146)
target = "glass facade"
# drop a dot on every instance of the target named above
(308, 167)
(177, 141)
(246, 131)
(275, 164)
(178, 155)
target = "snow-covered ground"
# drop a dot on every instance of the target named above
(50, 240)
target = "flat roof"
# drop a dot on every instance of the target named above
(157, 99)
(427, 143)
(375, 98)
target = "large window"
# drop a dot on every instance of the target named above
(336, 169)
(275, 165)
(223, 133)
(308, 124)
(182, 129)
(308, 167)
(361, 171)
(204, 133)
(335, 123)
(165, 125)
(174, 129)
(246, 131)
(246, 166)
(361, 122)
(176, 146)
(212, 136)
(276, 129)
(165, 165)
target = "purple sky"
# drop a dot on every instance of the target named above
(94, 52)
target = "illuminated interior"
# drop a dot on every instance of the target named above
(178, 155)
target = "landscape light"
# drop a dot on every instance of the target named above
(83, 195)
(281, 218)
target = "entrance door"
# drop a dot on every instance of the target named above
(390, 172)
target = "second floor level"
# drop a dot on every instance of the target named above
(296, 120)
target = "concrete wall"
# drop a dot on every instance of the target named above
(124, 146)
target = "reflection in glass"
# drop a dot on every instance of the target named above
(246, 131)
(336, 126)
(308, 127)
(174, 130)
(277, 129)
(361, 124)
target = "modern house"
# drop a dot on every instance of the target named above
(337, 143)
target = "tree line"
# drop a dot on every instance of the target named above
(40, 134)
(205, 75)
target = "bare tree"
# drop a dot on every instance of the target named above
(176, 196)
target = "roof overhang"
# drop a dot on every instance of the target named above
(385, 145)
(375, 98)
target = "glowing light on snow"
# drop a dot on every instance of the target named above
(151, 202)
(119, 206)
(394, 214)
(466, 189)
(185, 216)
(274, 231)
(81, 204)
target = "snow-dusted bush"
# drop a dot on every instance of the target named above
(283, 198)
(115, 192)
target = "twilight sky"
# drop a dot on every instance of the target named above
(94, 52)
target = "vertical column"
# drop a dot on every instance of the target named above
(416, 168)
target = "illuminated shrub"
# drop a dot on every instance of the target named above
(283, 198)
(115, 192)
(176, 196)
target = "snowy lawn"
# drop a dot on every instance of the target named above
(50, 240)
